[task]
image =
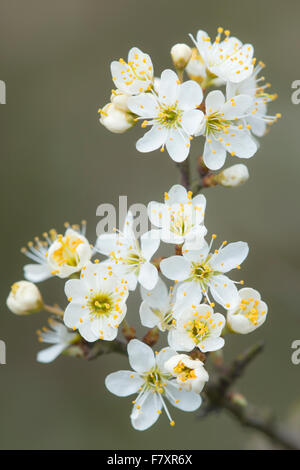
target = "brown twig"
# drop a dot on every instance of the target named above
(218, 397)
(184, 169)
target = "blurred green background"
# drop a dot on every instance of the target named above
(58, 164)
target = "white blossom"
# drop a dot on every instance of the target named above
(133, 77)
(258, 118)
(228, 59)
(198, 326)
(57, 255)
(249, 313)
(180, 219)
(222, 130)
(129, 257)
(153, 383)
(173, 115)
(190, 373)
(59, 337)
(203, 271)
(97, 303)
(24, 298)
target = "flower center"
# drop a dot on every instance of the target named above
(250, 310)
(197, 329)
(169, 116)
(155, 380)
(215, 124)
(100, 304)
(184, 371)
(201, 272)
(66, 253)
(180, 223)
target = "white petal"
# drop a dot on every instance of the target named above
(148, 276)
(212, 344)
(180, 341)
(214, 155)
(152, 140)
(141, 356)
(106, 243)
(214, 101)
(168, 87)
(224, 291)
(186, 401)
(188, 293)
(37, 272)
(143, 105)
(149, 243)
(177, 194)
(190, 95)
(237, 107)
(147, 316)
(194, 240)
(192, 120)
(240, 142)
(229, 257)
(72, 314)
(76, 289)
(163, 356)
(178, 145)
(50, 354)
(147, 415)
(197, 256)
(258, 126)
(123, 383)
(157, 213)
(86, 332)
(175, 268)
(158, 297)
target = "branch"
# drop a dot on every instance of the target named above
(219, 397)
(184, 169)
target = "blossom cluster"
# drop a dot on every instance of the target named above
(190, 297)
(177, 111)
(179, 294)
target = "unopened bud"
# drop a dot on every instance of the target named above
(181, 54)
(129, 332)
(238, 399)
(151, 337)
(233, 176)
(24, 298)
(115, 119)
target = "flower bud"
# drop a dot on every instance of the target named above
(115, 119)
(181, 54)
(24, 298)
(233, 176)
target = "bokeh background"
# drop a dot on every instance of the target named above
(58, 163)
